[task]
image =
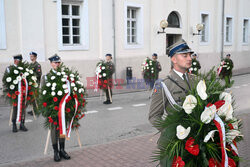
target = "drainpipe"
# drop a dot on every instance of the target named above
(114, 37)
(222, 29)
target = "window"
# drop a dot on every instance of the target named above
(73, 24)
(205, 31)
(228, 31)
(173, 20)
(245, 31)
(2, 26)
(133, 25)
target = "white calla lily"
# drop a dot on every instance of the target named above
(201, 90)
(182, 132)
(208, 114)
(226, 110)
(226, 96)
(189, 104)
(232, 134)
(209, 135)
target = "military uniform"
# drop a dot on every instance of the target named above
(178, 85)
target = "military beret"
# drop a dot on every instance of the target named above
(18, 57)
(33, 53)
(178, 47)
(54, 58)
(108, 55)
(154, 54)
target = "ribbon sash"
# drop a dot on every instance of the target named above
(20, 98)
(71, 122)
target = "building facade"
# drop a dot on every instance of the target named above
(83, 31)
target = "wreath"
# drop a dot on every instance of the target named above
(103, 75)
(18, 82)
(149, 70)
(225, 68)
(194, 67)
(204, 132)
(62, 101)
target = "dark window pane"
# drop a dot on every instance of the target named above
(65, 39)
(76, 39)
(173, 20)
(75, 10)
(128, 24)
(128, 13)
(65, 22)
(133, 24)
(65, 9)
(128, 31)
(128, 39)
(133, 13)
(133, 31)
(76, 22)
(76, 31)
(133, 39)
(65, 31)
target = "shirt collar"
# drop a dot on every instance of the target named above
(179, 73)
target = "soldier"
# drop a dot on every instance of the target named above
(195, 65)
(55, 62)
(158, 69)
(175, 87)
(17, 60)
(36, 67)
(111, 68)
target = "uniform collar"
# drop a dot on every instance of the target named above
(180, 74)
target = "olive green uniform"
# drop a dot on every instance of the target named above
(111, 68)
(178, 89)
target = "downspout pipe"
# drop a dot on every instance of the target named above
(114, 37)
(222, 29)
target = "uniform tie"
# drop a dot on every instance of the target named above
(185, 79)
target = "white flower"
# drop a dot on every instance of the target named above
(72, 75)
(31, 71)
(226, 96)
(19, 78)
(191, 69)
(181, 132)
(72, 79)
(53, 88)
(227, 62)
(100, 76)
(20, 68)
(15, 82)
(228, 68)
(54, 84)
(147, 68)
(99, 70)
(208, 114)
(34, 78)
(35, 85)
(8, 79)
(189, 104)
(63, 79)
(65, 86)
(226, 110)
(44, 92)
(73, 84)
(104, 74)
(80, 90)
(53, 93)
(152, 68)
(75, 88)
(146, 65)
(66, 91)
(194, 63)
(235, 123)
(23, 76)
(63, 73)
(209, 135)
(103, 68)
(195, 69)
(231, 134)
(201, 90)
(65, 76)
(152, 71)
(48, 84)
(30, 83)
(16, 71)
(12, 87)
(26, 73)
(58, 73)
(53, 77)
(27, 69)
(59, 93)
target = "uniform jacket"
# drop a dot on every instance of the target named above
(36, 67)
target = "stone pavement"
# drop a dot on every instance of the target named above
(133, 152)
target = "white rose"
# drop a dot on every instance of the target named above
(226, 110)
(12, 87)
(104, 74)
(201, 90)
(58, 73)
(27, 69)
(227, 62)
(26, 73)
(72, 75)
(65, 86)
(181, 132)
(33, 78)
(19, 78)
(35, 85)
(53, 77)
(16, 71)
(53, 88)
(20, 68)
(31, 71)
(44, 92)
(63, 79)
(226, 96)
(23, 76)
(72, 79)
(80, 90)
(30, 83)
(8, 79)
(194, 63)
(209, 135)
(65, 76)
(73, 84)
(208, 114)
(191, 69)
(189, 104)
(66, 91)
(152, 71)
(63, 73)
(103, 68)
(15, 82)
(100, 76)
(75, 88)
(54, 84)
(195, 69)
(59, 93)
(48, 84)
(53, 93)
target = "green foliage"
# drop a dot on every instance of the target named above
(104, 75)
(149, 69)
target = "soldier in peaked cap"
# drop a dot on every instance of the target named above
(17, 59)
(55, 62)
(36, 67)
(178, 83)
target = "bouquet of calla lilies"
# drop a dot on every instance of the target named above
(205, 131)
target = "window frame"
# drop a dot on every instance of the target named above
(247, 31)
(206, 29)
(139, 26)
(231, 32)
(3, 44)
(84, 26)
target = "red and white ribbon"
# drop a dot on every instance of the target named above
(221, 128)
(71, 122)
(220, 68)
(20, 98)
